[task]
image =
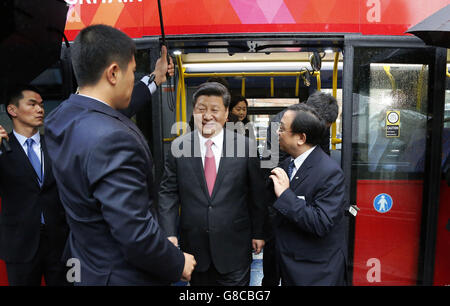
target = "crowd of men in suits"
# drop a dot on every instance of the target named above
(86, 190)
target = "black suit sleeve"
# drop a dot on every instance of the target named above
(117, 172)
(168, 204)
(257, 199)
(318, 215)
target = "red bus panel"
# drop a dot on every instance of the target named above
(442, 259)
(386, 245)
(138, 18)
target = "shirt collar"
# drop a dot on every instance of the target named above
(302, 157)
(94, 99)
(22, 139)
(217, 140)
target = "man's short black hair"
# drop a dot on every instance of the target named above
(325, 104)
(95, 48)
(220, 80)
(15, 93)
(213, 89)
(307, 121)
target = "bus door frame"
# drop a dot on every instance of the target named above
(432, 178)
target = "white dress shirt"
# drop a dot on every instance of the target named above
(216, 147)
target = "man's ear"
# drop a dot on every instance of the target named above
(12, 109)
(301, 139)
(112, 71)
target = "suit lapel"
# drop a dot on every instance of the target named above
(222, 165)
(22, 156)
(199, 170)
(304, 170)
(47, 163)
(196, 162)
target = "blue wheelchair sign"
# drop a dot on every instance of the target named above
(383, 203)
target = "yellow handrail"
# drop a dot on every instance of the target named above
(419, 88)
(387, 69)
(335, 140)
(178, 107)
(319, 83)
(272, 89)
(181, 86)
(182, 74)
(243, 74)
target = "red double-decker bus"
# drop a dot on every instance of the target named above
(392, 136)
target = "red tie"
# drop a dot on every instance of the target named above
(210, 167)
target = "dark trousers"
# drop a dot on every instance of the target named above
(271, 273)
(212, 277)
(47, 262)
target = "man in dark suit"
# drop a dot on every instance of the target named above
(103, 168)
(327, 108)
(213, 176)
(33, 229)
(309, 186)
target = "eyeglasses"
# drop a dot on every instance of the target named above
(282, 130)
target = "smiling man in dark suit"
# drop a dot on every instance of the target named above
(212, 175)
(33, 229)
(309, 186)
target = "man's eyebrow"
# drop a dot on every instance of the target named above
(34, 100)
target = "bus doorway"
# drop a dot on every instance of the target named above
(442, 264)
(270, 74)
(394, 112)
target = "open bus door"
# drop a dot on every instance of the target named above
(442, 262)
(392, 148)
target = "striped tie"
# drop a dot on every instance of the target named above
(291, 169)
(34, 159)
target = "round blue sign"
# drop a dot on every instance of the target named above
(383, 203)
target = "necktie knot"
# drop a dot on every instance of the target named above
(29, 142)
(209, 151)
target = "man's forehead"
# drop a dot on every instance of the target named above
(210, 99)
(31, 95)
(287, 117)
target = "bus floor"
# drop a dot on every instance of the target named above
(256, 272)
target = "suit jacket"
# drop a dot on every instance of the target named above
(23, 200)
(103, 167)
(310, 227)
(217, 228)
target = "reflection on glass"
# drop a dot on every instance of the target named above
(399, 91)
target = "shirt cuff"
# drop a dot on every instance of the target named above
(152, 86)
